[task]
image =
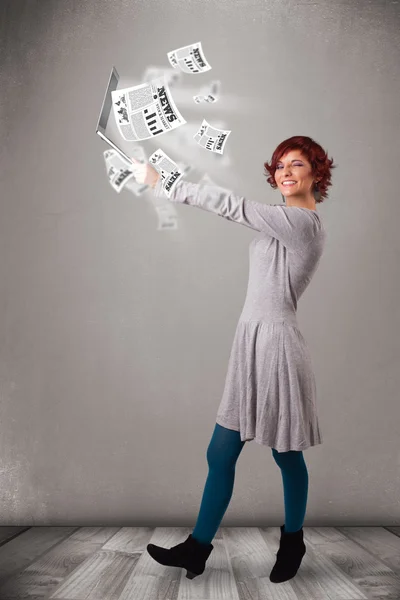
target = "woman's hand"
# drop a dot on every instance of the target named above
(145, 173)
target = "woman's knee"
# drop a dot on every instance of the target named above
(224, 448)
(290, 459)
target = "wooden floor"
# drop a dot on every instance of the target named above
(111, 563)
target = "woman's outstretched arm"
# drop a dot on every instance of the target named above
(293, 226)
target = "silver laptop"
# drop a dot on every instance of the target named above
(105, 113)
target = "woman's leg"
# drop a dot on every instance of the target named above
(295, 487)
(222, 454)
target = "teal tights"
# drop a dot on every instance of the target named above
(222, 454)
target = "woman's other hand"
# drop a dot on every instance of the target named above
(145, 173)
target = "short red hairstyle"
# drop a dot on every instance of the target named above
(315, 154)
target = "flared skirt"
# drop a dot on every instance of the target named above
(270, 388)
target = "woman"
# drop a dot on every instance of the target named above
(270, 392)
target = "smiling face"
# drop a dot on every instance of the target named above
(295, 167)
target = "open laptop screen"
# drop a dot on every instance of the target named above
(105, 113)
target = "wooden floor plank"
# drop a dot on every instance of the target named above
(102, 576)
(111, 563)
(22, 550)
(380, 543)
(252, 560)
(372, 558)
(95, 535)
(151, 580)
(395, 530)
(45, 574)
(133, 541)
(318, 578)
(130, 539)
(8, 533)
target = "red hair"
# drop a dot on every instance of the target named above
(315, 154)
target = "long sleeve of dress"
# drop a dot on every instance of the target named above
(293, 226)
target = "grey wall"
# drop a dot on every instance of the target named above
(115, 337)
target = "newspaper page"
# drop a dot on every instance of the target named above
(172, 76)
(145, 110)
(118, 170)
(211, 138)
(169, 171)
(208, 93)
(189, 59)
(167, 214)
(167, 217)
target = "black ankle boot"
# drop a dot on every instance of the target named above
(190, 555)
(289, 556)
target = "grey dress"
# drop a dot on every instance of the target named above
(270, 390)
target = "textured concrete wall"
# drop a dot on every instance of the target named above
(115, 336)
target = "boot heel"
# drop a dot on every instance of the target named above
(191, 575)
